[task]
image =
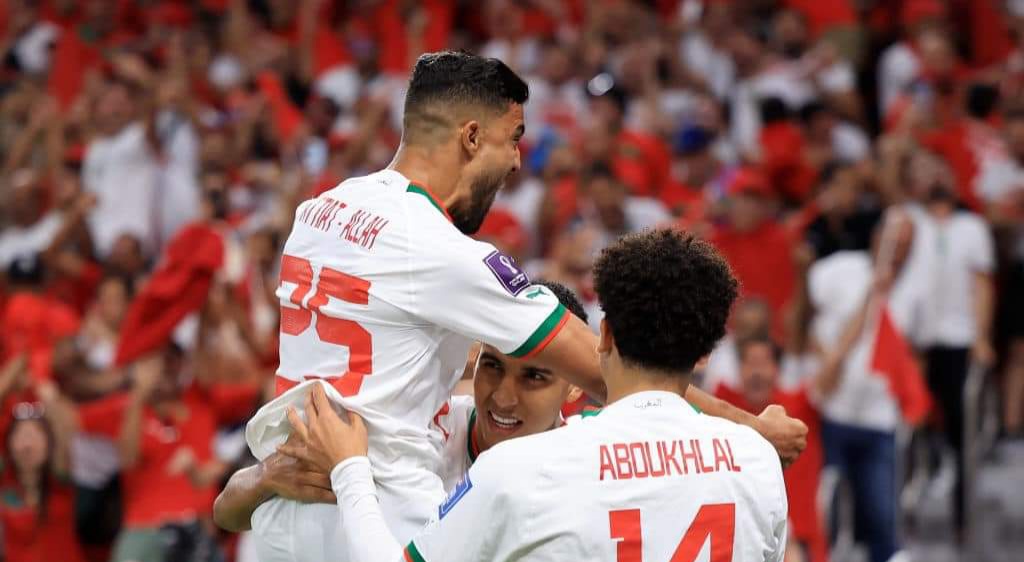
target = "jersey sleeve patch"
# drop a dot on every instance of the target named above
(457, 493)
(507, 272)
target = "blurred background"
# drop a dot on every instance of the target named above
(152, 154)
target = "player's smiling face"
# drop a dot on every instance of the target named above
(495, 161)
(514, 398)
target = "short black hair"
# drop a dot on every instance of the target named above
(448, 79)
(567, 297)
(743, 345)
(666, 296)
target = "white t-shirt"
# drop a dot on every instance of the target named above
(17, 242)
(391, 298)
(897, 70)
(838, 285)
(179, 195)
(950, 253)
(647, 476)
(123, 173)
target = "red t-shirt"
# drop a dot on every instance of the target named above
(802, 476)
(32, 324)
(961, 143)
(152, 497)
(687, 203)
(26, 539)
(391, 34)
(762, 260)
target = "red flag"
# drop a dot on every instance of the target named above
(178, 287)
(894, 360)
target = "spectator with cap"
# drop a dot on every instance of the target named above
(759, 248)
(33, 321)
(688, 189)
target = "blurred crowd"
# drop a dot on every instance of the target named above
(859, 163)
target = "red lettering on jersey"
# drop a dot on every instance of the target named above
(703, 465)
(636, 454)
(606, 463)
(437, 420)
(650, 462)
(669, 456)
(692, 455)
(625, 471)
(363, 228)
(369, 235)
(720, 456)
(732, 459)
(350, 227)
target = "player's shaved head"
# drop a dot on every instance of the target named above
(666, 296)
(448, 88)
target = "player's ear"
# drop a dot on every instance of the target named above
(470, 135)
(606, 342)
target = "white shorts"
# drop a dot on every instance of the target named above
(289, 531)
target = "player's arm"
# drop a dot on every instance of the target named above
(329, 441)
(277, 475)
(574, 352)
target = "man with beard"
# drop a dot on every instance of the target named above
(382, 293)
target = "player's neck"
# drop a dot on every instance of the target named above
(426, 167)
(629, 380)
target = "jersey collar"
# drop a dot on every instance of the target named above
(652, 399)
(472, 446)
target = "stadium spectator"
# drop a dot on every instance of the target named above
(37, 504)
(860, 414)
(758, 247)
(756, 388)
(955, 261)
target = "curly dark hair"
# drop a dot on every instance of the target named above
(567, 297)
(666, 296)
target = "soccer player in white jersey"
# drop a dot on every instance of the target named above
(383, 292)
(512, 397)
(646, 479)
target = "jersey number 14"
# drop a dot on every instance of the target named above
(717, 521)
(329, 329)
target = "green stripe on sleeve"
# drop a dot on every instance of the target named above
(412, 554)
(541, 334)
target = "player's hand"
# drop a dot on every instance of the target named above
(788, 435)
(326, 438)
(294, 479)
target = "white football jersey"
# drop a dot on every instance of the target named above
(382, 296)
(647, 479)
(456, 427)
